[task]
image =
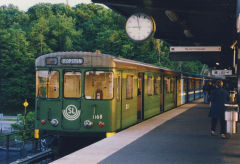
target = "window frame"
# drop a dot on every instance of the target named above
(132, 87)
(118, 87)
(59, 86)
(65, 71)
(150, 88)
(156, 84)
(84, 81)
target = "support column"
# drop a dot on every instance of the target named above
(238, 49)
(238, 74)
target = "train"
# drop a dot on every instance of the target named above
(90, 92)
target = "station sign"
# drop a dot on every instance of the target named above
(193, 53)
(196, 49)
(221, 72)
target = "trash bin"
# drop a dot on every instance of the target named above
(231, 116)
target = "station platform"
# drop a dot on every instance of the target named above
(180, 136)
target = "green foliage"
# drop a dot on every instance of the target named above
(29, 126)
(16, 69)
(10, 15)
(46, 28)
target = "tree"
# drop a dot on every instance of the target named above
(40, 10)
(63, 33)
(16, 65)
(10, 15)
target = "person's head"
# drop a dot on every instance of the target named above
(210, 83)
(219, 83)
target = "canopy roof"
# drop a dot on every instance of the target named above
(188, 23)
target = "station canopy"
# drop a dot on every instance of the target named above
(189, 23)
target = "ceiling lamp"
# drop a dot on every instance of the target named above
(172, 16)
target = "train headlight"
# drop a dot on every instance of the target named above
(88, 123)
(54, 122)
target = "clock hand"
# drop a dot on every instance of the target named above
(138, 23)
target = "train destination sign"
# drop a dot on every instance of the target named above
(196, 49)
(78, 61)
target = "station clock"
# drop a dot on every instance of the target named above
(140, 27)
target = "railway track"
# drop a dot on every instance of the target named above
(42, 156)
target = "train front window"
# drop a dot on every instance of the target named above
(98, 85)
(72, 84)
(47, 84)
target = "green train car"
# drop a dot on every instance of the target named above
(85, 92)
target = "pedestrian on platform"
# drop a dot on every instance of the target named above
(205, 93)
(210, 89)
(218, 98)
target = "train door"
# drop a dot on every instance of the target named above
(161, 94)
(194, 87)
(119, 100)
(186, 88)
(71, 100)
(185, 91)
(169, 92)
(178, 89)
(140, 97)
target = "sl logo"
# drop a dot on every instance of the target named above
(71, 112)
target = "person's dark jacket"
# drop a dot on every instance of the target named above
(210, 88)
(218, 98)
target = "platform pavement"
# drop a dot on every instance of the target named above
(180, 136)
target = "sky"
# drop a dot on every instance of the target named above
(26, 4)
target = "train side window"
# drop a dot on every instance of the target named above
(190, 84)
(118, 88)
(156, 85)
(99, 85)
(150, 85)
(129, 87)
(72, 84)
(47, 84)
(185, 85)
(172, 85)
(197, 84)
(167, 84)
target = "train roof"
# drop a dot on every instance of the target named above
(93, 59)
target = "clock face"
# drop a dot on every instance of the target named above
(140, 27)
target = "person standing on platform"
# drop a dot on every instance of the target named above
(210, 88)
(218, 98)
(205, 93)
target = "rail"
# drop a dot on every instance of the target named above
(35, 158)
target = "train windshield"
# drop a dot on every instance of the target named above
(72, 84)
(98, 85)
(47, 84)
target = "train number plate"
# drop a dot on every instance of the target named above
(97, 116)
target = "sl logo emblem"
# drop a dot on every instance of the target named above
(71, 112)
